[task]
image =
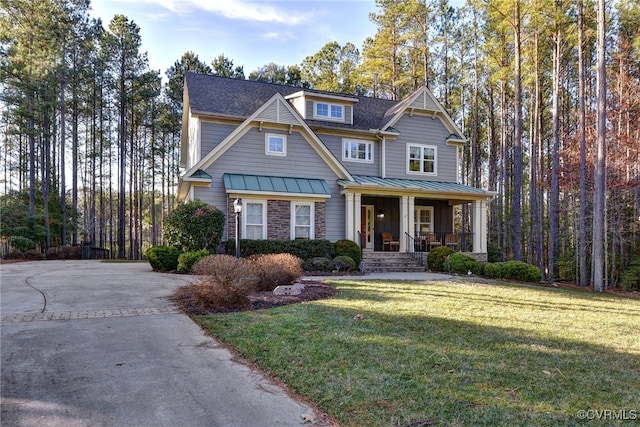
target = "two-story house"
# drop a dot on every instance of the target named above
(309, 164)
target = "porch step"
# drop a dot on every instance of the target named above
(382, 262)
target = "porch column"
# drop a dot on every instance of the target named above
(479, 209)
(412, 220)
(348, 216)
(404, 222)
(357, 216)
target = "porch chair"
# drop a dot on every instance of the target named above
(433, 240)
(389, 241)
(451, 240)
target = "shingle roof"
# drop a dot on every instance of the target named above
(241, 98)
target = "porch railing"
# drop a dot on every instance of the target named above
(414, 249)
(459, 242)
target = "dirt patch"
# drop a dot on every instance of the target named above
(313, 290)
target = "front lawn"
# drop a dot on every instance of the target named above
(452, 353)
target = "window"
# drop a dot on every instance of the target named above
(357, 151)
(254, 220)
(423, 220)
(302, 220)
(421, 159)
(275, 145)
(328, 111)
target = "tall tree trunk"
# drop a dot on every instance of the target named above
(601, 159)
(554, 196)
(583, 272)
(63, 137)
(517, 143)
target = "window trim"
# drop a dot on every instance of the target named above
(246, 202)
(416, 219)
(422, 147)
(328, 117)
(268, 152)
(311, 226)
(368, 150)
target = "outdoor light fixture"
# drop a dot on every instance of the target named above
(237, 208)
(380, 214)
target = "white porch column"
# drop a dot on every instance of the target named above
(479, 209)
(412, 220)
(357, 216)
(348, 216)
(404, 222)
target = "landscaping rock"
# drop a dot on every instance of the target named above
(289, 289)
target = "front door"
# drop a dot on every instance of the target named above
(366, 227)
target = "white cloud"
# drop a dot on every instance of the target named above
(262, 11)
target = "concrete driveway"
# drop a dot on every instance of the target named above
(85, 343)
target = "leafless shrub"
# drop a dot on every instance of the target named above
(276, 269)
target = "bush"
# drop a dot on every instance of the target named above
(343, 263)
(55, 253)
(163, 258)
(567, 266)
(22, 244)
(71, 252)
(276, 269)
(515, 270)
(348, 248)
(194, 225)
(630, 278)
(14, 254)
(34, 255)
(303, 249)
(228, 281)
(462, 264)
(317, 264)
(494, 252)
(187, 259)
(437, 257)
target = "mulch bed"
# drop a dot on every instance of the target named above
(313, 290)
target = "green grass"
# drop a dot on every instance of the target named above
(458, 352)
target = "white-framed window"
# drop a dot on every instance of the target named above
(423, 220)
(302, 223)
(325, 110)
(275, 144)
(354, 150)
(254, 219)
(422, 159)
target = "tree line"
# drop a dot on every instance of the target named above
(546, 92)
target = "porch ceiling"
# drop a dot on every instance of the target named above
(418, 188)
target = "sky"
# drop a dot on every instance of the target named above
(251, 33)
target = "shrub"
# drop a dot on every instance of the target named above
(494, 252)
(55, 253)
(228, 281)
(194, 225)
(317, 264)
(276, 269)
(516, 270)
(348, 248)
(71, 252)
(630, 278)
(23, 244)
(343, 263)
(34, 255)
(437, 257)
(462, 264)
(14, 254)
(163, 258)
(303, 249)
(187, 259)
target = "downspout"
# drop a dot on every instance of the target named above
(383, 141)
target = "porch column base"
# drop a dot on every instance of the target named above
(479, 209)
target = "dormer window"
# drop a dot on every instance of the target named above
(325, 110)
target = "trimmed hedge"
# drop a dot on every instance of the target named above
(317, 264)
(163, 258)
(437, 257)
(303, 249)
(462, 264)
(187, 259)
(348, 248)
(343, 263)
(515, 270)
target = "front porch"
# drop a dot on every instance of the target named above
(416, 219)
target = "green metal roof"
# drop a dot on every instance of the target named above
(412, 184)
(275, 184)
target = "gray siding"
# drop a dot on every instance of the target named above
(247, 156)
(421, 129)
(213, 134)
(334, 143)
